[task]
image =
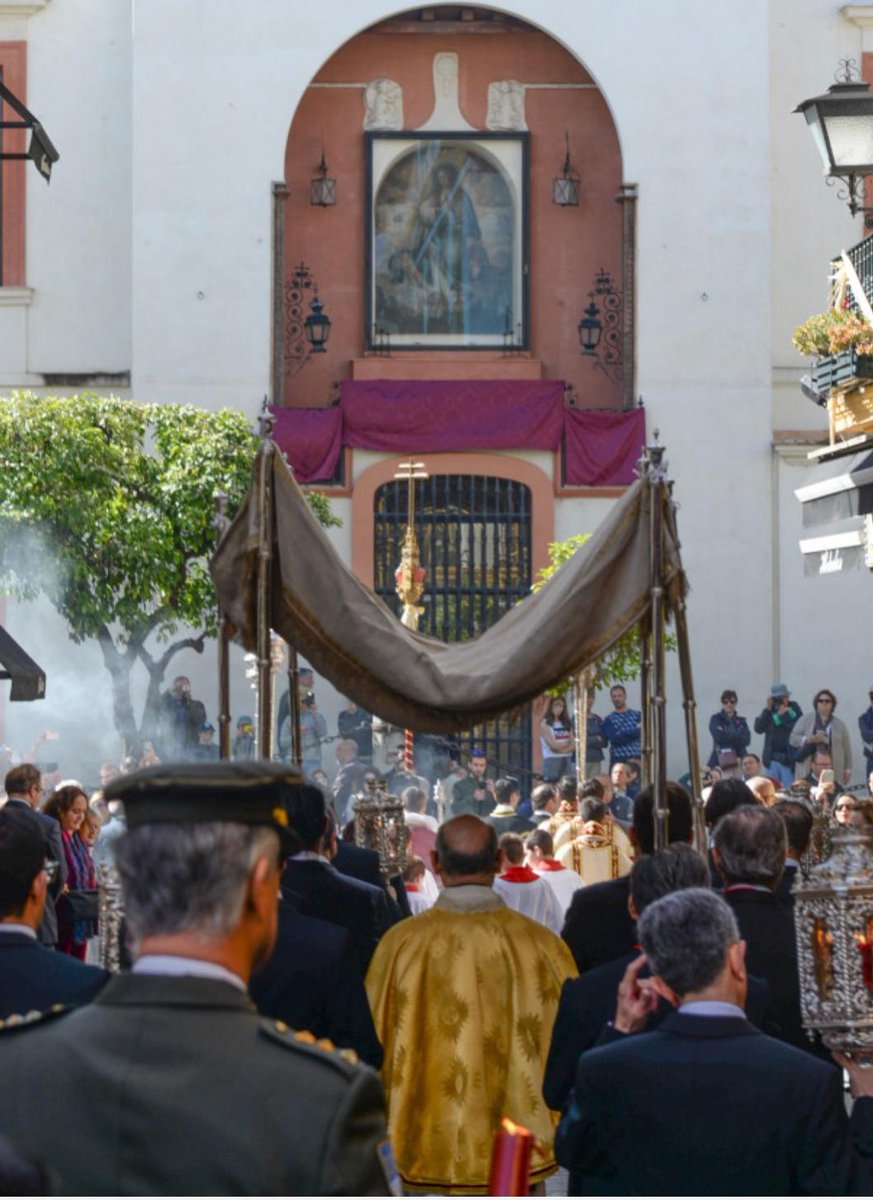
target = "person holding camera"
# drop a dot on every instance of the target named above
(476, 793)
(821, 730)
(181, 718)
(776, 721)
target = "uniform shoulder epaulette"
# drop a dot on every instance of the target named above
(308, 1043)
(33, 1018)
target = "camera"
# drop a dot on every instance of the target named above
(309, 699)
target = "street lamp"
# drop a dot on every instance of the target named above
(590, 328)
(841, 123)
(316, 326)
(40, 151)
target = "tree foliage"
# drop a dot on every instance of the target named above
(106, 509)
(623, 662)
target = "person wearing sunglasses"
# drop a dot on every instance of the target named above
(820, 729)
(730, 736)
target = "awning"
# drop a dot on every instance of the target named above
(407, 678)
(837, 499)
(28, 680)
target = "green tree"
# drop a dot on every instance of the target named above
(106, 509)
(623, 662)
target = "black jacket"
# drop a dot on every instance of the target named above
(361, 863)
(709, 1106)
(321, 891)
(54, 852)
(587, 1006)
(598, 926)
(34, 978)
(767, 924)
(313, 981)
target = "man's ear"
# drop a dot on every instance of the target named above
(435, 862)
(38, 888)
(263, 892)
(716, 857)
(664, 989)
(737, 960)
(632, 908)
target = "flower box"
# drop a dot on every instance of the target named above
(841, 371)
(851, 413)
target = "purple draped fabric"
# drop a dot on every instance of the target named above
(602, 448)
(425, 417)
(312, 439)
(466, 414)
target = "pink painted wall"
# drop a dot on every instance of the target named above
(567, 245)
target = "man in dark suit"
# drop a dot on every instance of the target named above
(798, 830)
(23, 791)
(361, 863)
(706, 1104)
(598, 926)
(313, 981)
(588, 1002)
(184, 1088)
(32, 977)
(749, 847)
(320, 889)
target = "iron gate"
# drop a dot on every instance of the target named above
(474, 533)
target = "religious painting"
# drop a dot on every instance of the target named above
(446, 240)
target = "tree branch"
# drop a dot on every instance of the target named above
(159, 666)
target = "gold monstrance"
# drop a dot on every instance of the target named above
(409, 576)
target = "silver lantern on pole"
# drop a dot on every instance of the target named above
(833, 917)
(380, 825)
(110, 918)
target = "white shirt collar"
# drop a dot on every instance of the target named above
(17, 927)
(711, 1008)
(791, 862)
(177, 964)
(310, 856)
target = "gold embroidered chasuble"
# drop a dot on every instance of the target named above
(464, 997)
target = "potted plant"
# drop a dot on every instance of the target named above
(842, 341)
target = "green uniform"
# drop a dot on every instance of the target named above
(176, 1085)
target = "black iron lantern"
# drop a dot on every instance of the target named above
(565, 187)
(590, 329)
(322, 191)
(841, 124)
(317, 326)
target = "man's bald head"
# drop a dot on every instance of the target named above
(466, 851)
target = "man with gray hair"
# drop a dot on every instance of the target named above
(182, 1087)
(732, 1111)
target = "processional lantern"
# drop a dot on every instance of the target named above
(110, 913)
(380, 825)
(833, 917)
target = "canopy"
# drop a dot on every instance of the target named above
(409, 679)
(28, 680)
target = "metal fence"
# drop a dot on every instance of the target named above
(474, 534)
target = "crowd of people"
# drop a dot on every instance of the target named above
(536, 960)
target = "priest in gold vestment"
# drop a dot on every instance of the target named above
(464, 997)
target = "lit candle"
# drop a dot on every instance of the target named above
(510, 1160)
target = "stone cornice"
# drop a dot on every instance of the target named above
(859, 14)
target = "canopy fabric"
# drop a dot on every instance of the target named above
(410, 679)
(28, 679)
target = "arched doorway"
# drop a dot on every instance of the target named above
(475, 537)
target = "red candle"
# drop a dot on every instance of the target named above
(510, 1160)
